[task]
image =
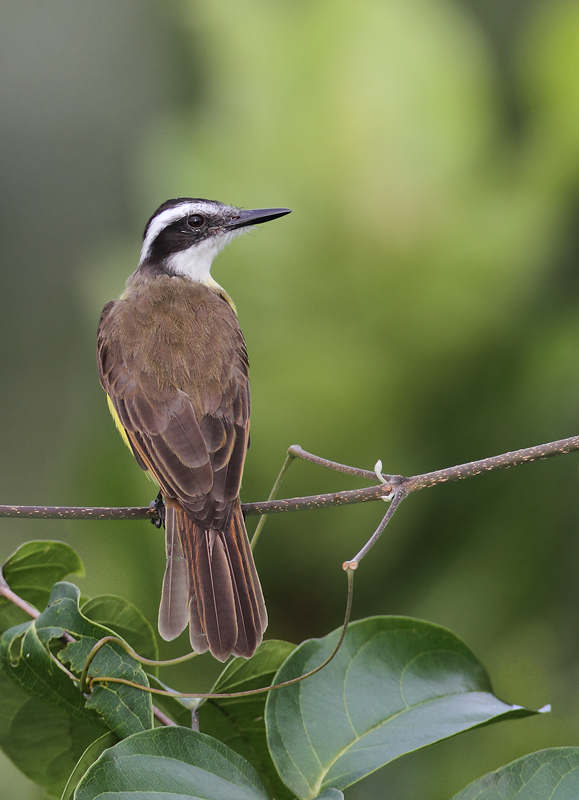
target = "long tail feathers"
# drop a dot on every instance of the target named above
(211, 582)
(173, 616)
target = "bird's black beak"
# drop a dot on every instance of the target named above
(256, 216)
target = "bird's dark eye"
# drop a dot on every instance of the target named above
(195, 221)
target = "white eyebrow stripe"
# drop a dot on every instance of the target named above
(166, 218)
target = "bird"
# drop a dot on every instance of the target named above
(173, 363)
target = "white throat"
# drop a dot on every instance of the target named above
(195, 262)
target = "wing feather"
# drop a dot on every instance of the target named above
(192, 440)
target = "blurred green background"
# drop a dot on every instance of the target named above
(421, 306)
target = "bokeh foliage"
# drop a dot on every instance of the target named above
(420, 305)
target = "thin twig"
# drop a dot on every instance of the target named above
(77, 512)
(249, 509)
(350, 497)
(6, 591)
(163, 718)
(411, 484)
(403, 486)
(511, 459)
(398, 497)
(299, 452)
(260, 525)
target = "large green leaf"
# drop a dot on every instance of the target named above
(25, 655)
(90, 755)
(31, 572)
(396, 685)
(44, 742)
(546, 775)
(239, 721)
(170, 763)
(126, 620)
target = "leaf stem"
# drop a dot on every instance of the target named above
(141, 659)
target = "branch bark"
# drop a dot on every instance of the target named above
(380, 492)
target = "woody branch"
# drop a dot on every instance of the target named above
(393, 484)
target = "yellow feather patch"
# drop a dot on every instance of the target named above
(123, 433)
(220, 291)
(118, 423)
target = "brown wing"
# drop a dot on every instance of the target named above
(190, 429)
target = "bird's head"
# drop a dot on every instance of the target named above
(184, 235)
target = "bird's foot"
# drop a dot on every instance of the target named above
(158, 505)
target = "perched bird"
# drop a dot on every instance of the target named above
(173, 362)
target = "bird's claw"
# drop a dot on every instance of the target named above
(158, 505)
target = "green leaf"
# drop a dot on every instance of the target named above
(31, 572)
(27, 661)
(330, 794)
(166, 763)
(25, 655)
(239, 721)
(552, 774)
(126, 620)
(90, 755)
(43, 742)
(125, 709)
(396, 685)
